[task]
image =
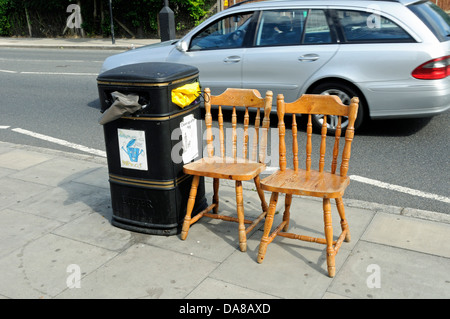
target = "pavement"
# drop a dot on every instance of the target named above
(57, 242)
(75, 43)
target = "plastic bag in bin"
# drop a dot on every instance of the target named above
(186, 94)
(124, 104)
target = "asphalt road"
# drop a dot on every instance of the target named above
(53, 92)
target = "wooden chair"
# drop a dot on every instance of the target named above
(237, 168)
(309, 182)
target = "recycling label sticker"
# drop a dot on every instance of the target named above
(132, 149)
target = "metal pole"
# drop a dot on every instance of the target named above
(112, 22)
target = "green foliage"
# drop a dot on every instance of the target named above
(140, 17)
(5, 24)
(196, 9)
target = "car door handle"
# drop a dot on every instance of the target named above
(232, 59)
(309, 57)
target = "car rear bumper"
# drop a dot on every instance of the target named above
(402, 100)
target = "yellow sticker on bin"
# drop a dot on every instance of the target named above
(186, 94)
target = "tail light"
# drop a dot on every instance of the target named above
(434, 69)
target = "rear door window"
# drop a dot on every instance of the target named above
(368, 27)
(292, 27)
(434, 17)
(280, 27)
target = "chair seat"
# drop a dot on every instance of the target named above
(226, 168)
(309, 183)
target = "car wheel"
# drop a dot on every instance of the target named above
(345, 93)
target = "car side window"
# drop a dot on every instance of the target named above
(280, 27)
(292, 27)
(226, 33)
(317, 29)
(361, 26)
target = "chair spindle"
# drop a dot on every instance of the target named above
(208, 122)
(323, 144)
(234, 134)
(256, 136)
(221, 134)
(245, 147)
(336, 145)
(281, 132)
(294, 142)
(308, 143)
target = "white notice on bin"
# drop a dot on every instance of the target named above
(189, 138)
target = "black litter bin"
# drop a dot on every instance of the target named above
(148, 145)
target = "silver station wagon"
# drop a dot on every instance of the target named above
(393, 55)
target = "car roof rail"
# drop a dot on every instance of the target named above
(243, 2)
(404, 2)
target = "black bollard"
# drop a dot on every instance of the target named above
(166, 22)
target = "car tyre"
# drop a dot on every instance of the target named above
(345, 93)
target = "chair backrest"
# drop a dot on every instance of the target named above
(246, 98)
(317, 104)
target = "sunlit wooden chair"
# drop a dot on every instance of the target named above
(237, 167)
(309, 182)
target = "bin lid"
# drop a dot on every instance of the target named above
(150, 72)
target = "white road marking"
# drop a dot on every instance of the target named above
(8, 71)
(48, 73)
(57, 73)
(401, 189)
(61, 142)
(52, 61)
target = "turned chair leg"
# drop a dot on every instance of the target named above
(344, 224)
(287, 213)
(267, 227)
(216, 195)
(260, 194)
(331, 253)
(190, 207)
(240, 214)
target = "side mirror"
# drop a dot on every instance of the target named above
(182, 46)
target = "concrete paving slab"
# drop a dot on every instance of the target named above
(96, 230)
(98, 177)
(149, 272)
(386, 272)
(67, 202)
(39, 269)
(21, 159)
(18, 228)
(291, 271)
(210, 240)
(6, 171)
(5, 148)
(410, 233)
(56, 171)
(14, 191)
(217, 289)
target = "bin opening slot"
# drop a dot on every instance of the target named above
(122, 105)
